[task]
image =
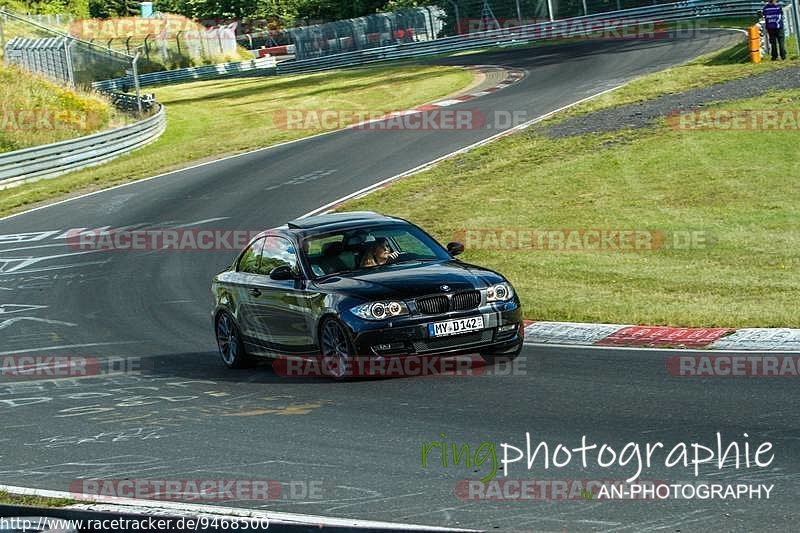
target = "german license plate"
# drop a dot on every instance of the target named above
(455, 327)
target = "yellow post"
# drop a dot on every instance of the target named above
(754, 36)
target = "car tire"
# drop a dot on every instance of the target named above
(229, 342)
(336, 349)
(491, 358)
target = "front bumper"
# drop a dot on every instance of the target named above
(502, 332)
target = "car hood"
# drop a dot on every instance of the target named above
(409, 280)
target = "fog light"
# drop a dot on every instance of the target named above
(506, 328)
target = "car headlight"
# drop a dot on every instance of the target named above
(502, 292)
(380, 310)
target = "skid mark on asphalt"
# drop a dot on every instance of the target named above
(132, 402)
(302, 409)
(103, 437)
(100, 466)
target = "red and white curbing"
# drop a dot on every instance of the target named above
(582, 334)
(512, 77)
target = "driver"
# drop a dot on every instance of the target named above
(378, 253)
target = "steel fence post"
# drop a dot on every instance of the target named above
(136, 82)
(68, 56)
(796, 17)
(458, 17)
(430, 18)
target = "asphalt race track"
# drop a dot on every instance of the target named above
(347, 449)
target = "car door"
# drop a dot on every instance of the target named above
(241, 287)
(281, 314)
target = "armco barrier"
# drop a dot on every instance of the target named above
(51, 160)
(39, 162)
(561, 28)
(265, 64)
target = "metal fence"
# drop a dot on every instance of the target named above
(574, 27)
(52, 20)
(85, 62)
(447, 18)
(49, 56)
(372, 31)
(40, 162)
(262, 66)
(37, 163)
(162, 39)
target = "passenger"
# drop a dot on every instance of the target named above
(378, 253)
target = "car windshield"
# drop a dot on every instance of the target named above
(369, 247)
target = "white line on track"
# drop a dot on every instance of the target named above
(66, 347)
(425, 166)
(131, 505)
(707, 351)
(191, 167)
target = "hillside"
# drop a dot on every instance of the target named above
(35, 111)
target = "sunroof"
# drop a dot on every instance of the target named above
(333, 218)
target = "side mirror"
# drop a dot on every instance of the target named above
(281, 273)
(454, 248)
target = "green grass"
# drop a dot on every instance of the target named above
(734, 189)
(36, 501)
(732, 63)
(35, 111)
(210, 119)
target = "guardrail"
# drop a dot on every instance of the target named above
(186, 74)
(54, 159)
(129, 104)
(48, 161)
(558, 29)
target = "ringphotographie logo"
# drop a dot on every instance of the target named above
(636, 458)
(605, 490)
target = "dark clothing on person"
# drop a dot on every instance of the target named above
(773, 20)
(777, 42)
(773, 16)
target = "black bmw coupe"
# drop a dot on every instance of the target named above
(359, 284)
